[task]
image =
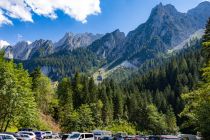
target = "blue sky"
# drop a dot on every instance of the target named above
(125, 15)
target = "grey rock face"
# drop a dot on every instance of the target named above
(40, 48)
(71, 41)
(165, 29)
(20, 51)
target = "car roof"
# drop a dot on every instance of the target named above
(25, 135)
(86, 133)
(27, 131)
(169, 136)
(2, 134)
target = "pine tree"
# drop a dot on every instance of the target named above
(197, 109)
(170, 120)
(206, 41)
(65, 104)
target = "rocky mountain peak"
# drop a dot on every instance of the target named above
(71, 41)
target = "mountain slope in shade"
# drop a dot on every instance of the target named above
(41, 48)
(3, 44)
(108, 44)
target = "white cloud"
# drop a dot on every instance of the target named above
(4, 20)
(23, 9)
(16, 9)
(78, 9)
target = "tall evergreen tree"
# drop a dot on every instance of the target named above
(65, 104)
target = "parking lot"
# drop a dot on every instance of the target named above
(52, 139)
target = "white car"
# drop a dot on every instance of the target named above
(44, 135)
(31, 134)
(48, 134)
(82, 136)
(25, 137)
(55, 136)
(7, 137)
(187, 136)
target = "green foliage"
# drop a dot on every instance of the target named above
(148, 102)
(66, 63)
(206, 42)
(65, 103)
(17, 103)
(121, 126)
(170, 120)
(43, 90)
(86, 122)
(197, 108)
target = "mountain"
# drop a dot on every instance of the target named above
(200, 14)
(65, 63)
(24, 50)
(3, 44)
(41, 48)
(108, 44)
(71, 41)
(166, 30)
(19, 51)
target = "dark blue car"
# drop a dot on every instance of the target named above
(39, 135)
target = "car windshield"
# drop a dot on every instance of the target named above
(25, 136)
(37, 133)
(28, 133)
(98, 133)
(65, 136)
(75, 136)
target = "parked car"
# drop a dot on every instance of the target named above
(187, 137)
(107, 138)
(164, 137)
(141, 137)
(44, 135)
(48, 134)
(154, 138)
(31, 134)
(17, 136)
(65, 136)
(55, 135)
(25, 129)
(7, 137)
(169, 137)
(39, 135)
(120, 136)
(82, 136)
(26, 137)
(98, 134)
